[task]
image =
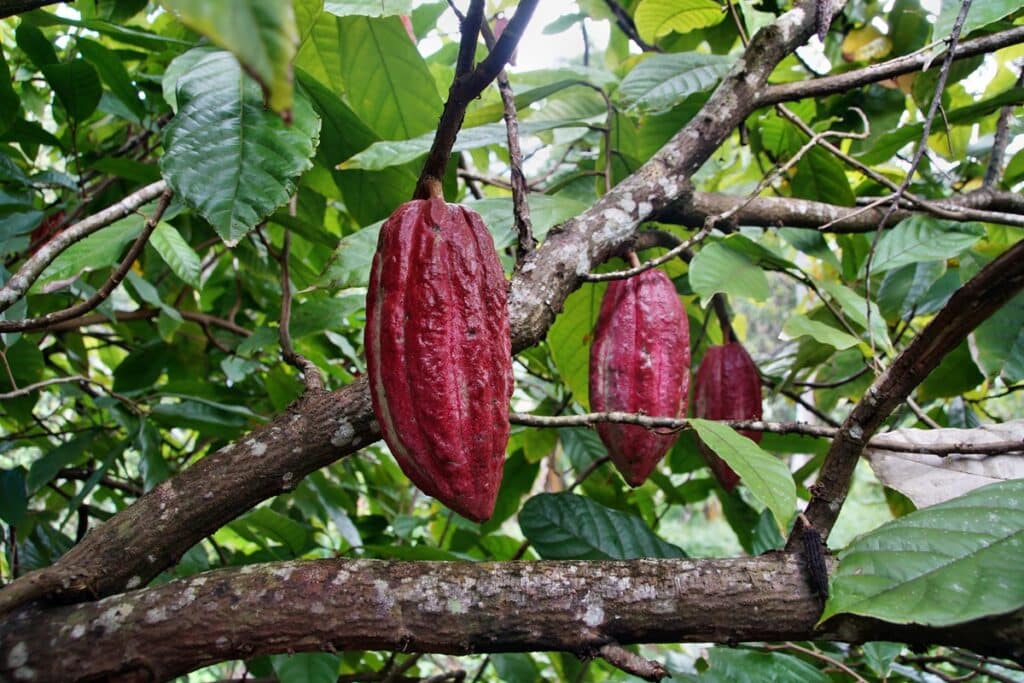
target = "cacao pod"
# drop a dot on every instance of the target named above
(727, 387)
(438, 352)
(639, 363)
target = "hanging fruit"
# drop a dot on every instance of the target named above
(727, 387)
(640, 363)
(438, 352)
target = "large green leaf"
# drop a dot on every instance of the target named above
(9, 102)
(662, 81)
(857, 309)
(77, 85)
(923, 238)
(260, 33)
(14, 501)
(946, 564)
(227, 156)
(564, 526)
(717, 268)
(387, 82)
(387, 153)
(999, 342)
(656, 18)
(766, 476)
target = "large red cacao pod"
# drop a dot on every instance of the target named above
(727, 387)
(639, 363)
(438, 352)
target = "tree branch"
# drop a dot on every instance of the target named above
(19, 283)
(447, 607)
(969, 306)
(146, 538)
(829, 85)
(8, 8)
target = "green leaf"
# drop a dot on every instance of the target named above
(36, 45)
(46, 468)
(264, 523)
(308, 667)
(946, 564)
(810, 242)
(99, 250)
(923, 238)
(77, 85)
(13, 496)
(260, 33)
(903, 288)
(819, 176)
(387, 82)
(570, 337)
(999, 342)
(741, 666)
(656, 18)
(856, 308)
(111, 70)
(230, 159)
(9, 102)
(563, 526)
(956, 375)
(176, 253)
(979, 15)
(801, 326)
(387, 153)
(717, 268)
(662, 81)
(767, 477)
(516, 667)
(368, 8)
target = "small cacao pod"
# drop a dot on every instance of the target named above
(727, 387)
(639, 363)
(438, 352)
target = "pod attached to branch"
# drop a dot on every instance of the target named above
(438, 352)
(640, 363)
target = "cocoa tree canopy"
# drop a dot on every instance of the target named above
(190, 200)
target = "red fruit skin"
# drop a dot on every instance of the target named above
(727, 387)
(639, 363)
(438, 351)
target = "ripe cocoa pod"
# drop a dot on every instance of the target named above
(639, 363)
(727, 387)
(438, 352)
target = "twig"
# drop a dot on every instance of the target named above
(626, 25)
(520, 207)
(588, 470)
(968, 307)
(922, 59)
(29, 272)
(203, 319)
(310, 372)
(821, 656)
(464, 89)
(101, 294)
(1002, 137)
(631, 663)
(647, 265)
(803, 428)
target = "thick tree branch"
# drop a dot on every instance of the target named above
(454, 607)
(146, 538)
(829, 85)
(979, 298)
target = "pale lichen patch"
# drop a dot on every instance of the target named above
(133, 582)
(155, 615)
(259, 448)
(18, 655)
(77, 631)
(111, 619)
(343, 435)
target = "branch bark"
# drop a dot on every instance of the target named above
(8, 8)
(138, 543)
(447, 607)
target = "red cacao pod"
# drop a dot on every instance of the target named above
(438, 352)
(727, 387)
(639, 363)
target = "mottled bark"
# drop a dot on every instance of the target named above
(456, 608)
